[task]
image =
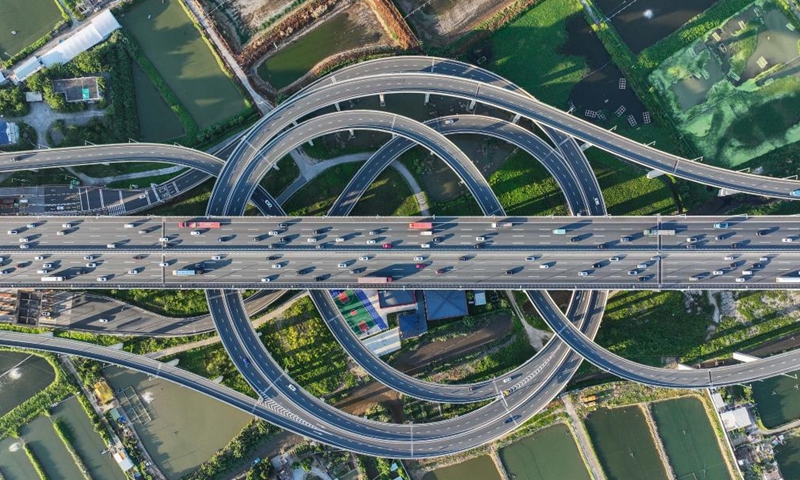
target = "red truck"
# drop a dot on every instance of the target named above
(198, 225)
(420, 225)
(374, 279)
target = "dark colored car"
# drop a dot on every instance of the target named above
(138, 257)
(462, 259)
(597, 265)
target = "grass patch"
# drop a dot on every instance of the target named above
(317, 196)
(276, 180)
(388, 195)
(304, 346)
(525, 187)
(211, 362)
(183, 59)
(174, 303)
(519, 54)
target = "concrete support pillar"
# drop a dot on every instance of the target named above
(427, 98)
(471, 106)
(654, 174)
(338, 108)
(585, 146)
(310, 142)
(383, 100)
(352, 133)
(516, 118)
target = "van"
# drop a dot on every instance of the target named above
(339, 239)
(66, 225)
(111, 245)
(721, 225)
(560, 231)
(129, 225)
(425, 245)
(747, 272)
(426, 232)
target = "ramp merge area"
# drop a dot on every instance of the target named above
(357, 309)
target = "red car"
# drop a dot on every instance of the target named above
(387, 245)
(420, 266)
(440, 271)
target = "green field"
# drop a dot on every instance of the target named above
(519, 54)
(624, 445)
(788, 458)
(689, 439)
(276, 181)
(549, 454)
(157, 122)
(184, 60)
(30, 21)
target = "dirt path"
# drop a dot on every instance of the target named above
(537, 338)
(582, 437)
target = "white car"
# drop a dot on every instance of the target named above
(614, 259)
(363, 259)
(531, 258)
(61, 232)
(195, 232)
(163, 240)
(728, 258)
(24, 246)
(42, 271)
(87, 257)
(583, 273)
(129, 225)
(41, 257)
(418, 259)
(691, 240)
(339, 239)
(30, 225)
(66, 225)
(277, 265)
(718, 272)
(425, 245)
(23, 240)
(787, 240)
(91, 265)
(642, 265)
(266, 279)
(371, 242)
(273, 232)
(216, 257)
(163, 264)
(292, 388)
(544, 266)
(311, 240)
(13, 232)
(133, 271)
(740, 279)
(111, 245)
(480, 239)
(103, 320)
(342, 265)
(102, 279)
(48, 265)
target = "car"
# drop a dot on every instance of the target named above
(387, 245)
(747, 272)
(787, 240)
(761, 233)
(601, 246)
(273, 232)
(271, 257)
(758, 265)
(480, 239)
(48, 265)
(449, 121)
(544, 266)
(142, 232)
(277, 265)
(246, 361)
(420, 266)
(61, 232)
(633, 272)
(440, 271)
(418, 259)
(286, 239)
(721, 225)
(339, 239)
(5, 271)
(655, 258)
(24, 240)
(30, 225)
(292, 387)
(255, 462)
(728, 258)
(311, 239)
(718, 272)
(255, 238)
(614, 259)
(642, 279)
(740, 279)
(22, 265)
(342, 265)
(41, 257)
(129, 225)
(363, 258)
(42, 271)
(478, 245)
(596, 201)
(719, 237)
(735, 245)
(691, 246)
(626, 239)
(462, 258)
(91, 265)
(530, 258)
(583, 273)
(763, 259)
(266, 279)
(371, 242)
(421, 245)
(195, 232)
(66, 225)
(283, 225)
(24, 246)
(219, 240)
(373, 232)
(574, 239)
(318, 231)
(509, 272)
(102, 279)
(138, 257)
(641, 266)
(133, 271)
(438, 239)
(356, 271)
(103, 320)
(319, 278)
(691, 239)
(794, 193)
(694, 278)
(165, 239)
(60, 208)
(13, 232)
(597, 265)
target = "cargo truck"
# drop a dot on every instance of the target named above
(502, 225)
(52, 279)
(375, 280)
(199, 225)
(183, 272)
(656, 232)
(420, 225)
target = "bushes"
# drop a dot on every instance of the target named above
(236, 453)
(12, 102)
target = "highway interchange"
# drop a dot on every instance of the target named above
(534, 384)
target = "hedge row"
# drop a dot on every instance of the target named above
(64, 432)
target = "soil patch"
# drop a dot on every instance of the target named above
(442, 21)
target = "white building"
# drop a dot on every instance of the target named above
(733, 419)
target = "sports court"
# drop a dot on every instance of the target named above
(356, 308)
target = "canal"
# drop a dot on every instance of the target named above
(177, 434)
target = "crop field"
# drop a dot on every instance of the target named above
(689, 440)
(624, 446)
(549, 454)
(183, 59)
(23, 23)
(735, 92)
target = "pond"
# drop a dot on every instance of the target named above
(14, 464)
(549, 454)
(177, 436)
(480, 468)
(56, 460)
(777, 399)
(21, 376)
(689, 439)
(642, 23)
(788, 458)
(624, 445)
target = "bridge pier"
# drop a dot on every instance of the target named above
(744, 358)
(516, 118)
(338, 108)
(586, 146)
(383, 99)
(724, 192)
(471, 105)
(352, 133)
(682, 366)
(654, 174)
(427, 99)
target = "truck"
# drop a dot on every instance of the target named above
(653, 232)
(502, 225)
(52, 279)
(199, 225)
(183, 272)
(788, 279)
(375, 279)
(421, 226)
